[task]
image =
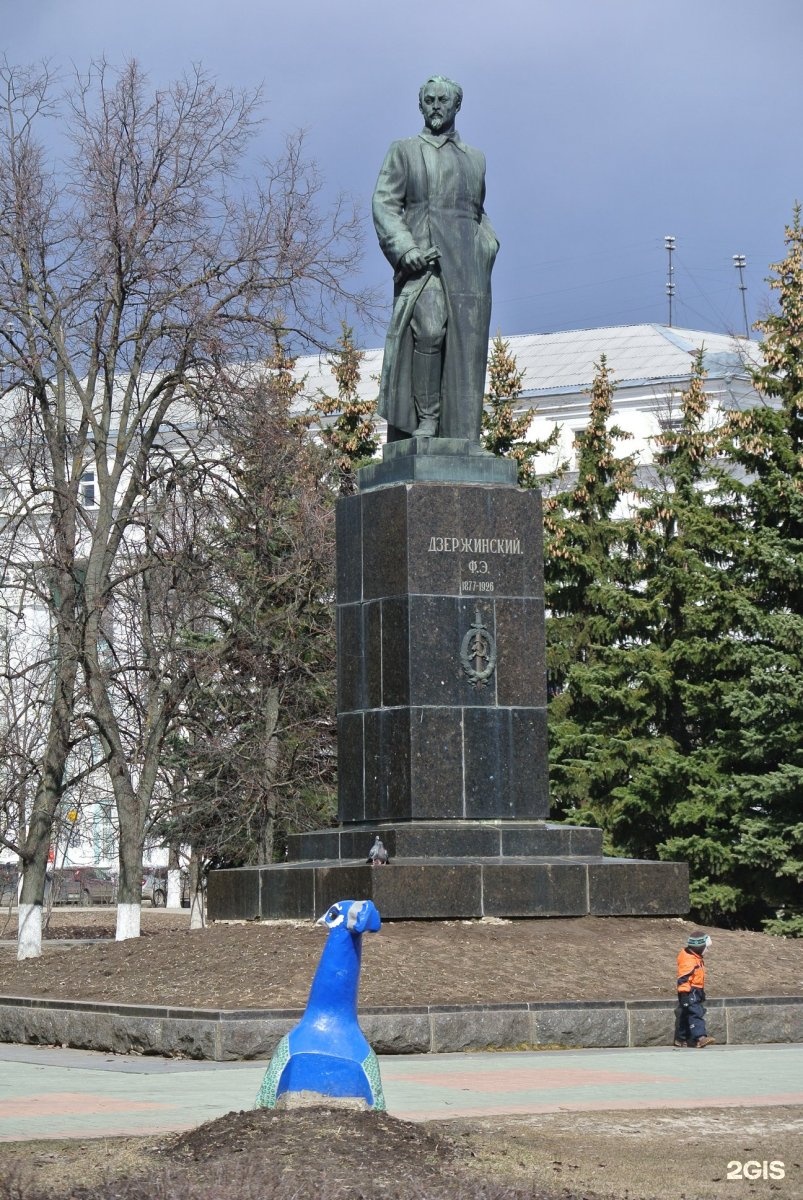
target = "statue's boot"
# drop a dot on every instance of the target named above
(427, 392)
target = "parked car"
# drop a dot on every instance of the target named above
(154, 886)
(83, 885)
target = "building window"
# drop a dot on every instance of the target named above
(88, 489)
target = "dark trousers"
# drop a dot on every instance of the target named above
(690, 1017)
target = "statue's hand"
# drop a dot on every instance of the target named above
(414, 260)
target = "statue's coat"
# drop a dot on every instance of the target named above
(430, 192)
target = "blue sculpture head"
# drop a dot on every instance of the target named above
(355, 916)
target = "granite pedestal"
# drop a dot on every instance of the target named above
(441, 669)
(442, 738)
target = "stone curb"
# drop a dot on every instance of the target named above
(227, 1035)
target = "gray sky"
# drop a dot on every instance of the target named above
(606, 124)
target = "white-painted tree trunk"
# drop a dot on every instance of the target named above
(128, 921)
(197, 911)
(29, 937)
(174, 889)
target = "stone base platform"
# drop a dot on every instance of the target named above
(447, 839)
(452, 870)
(440, 460)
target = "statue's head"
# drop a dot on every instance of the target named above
(439, 100)
(356, 916)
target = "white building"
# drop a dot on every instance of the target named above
(651, 365)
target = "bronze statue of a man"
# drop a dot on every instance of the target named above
(431, 223)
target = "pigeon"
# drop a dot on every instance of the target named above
(378, 855)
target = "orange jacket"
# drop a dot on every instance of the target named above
(691, 971)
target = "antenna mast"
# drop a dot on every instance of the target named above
(669, 243)
(740, 262)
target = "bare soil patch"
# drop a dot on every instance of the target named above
(407, 963)
(328, 1154)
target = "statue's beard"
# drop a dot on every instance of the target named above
(436, 123)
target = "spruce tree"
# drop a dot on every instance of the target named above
(592, 605)
(718, 779)
(503, 432)
(257, 744)
(681, 666)
(759, 740)
(352, 436)
(644, 730)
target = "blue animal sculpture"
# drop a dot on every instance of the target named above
(325, 1058)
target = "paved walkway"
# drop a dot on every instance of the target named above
(50, 1093)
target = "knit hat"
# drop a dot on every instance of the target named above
(698, 941)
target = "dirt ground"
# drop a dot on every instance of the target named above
(338, 1155)
(318, 1154)
(407, 963)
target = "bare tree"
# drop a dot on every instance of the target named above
(138, 281)
(160, 601)
(24, 701)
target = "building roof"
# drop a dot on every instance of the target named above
(564, 362)
(635, 354)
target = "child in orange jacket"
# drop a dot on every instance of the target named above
(690, 1014)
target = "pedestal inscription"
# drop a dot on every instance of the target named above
(441, 667)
